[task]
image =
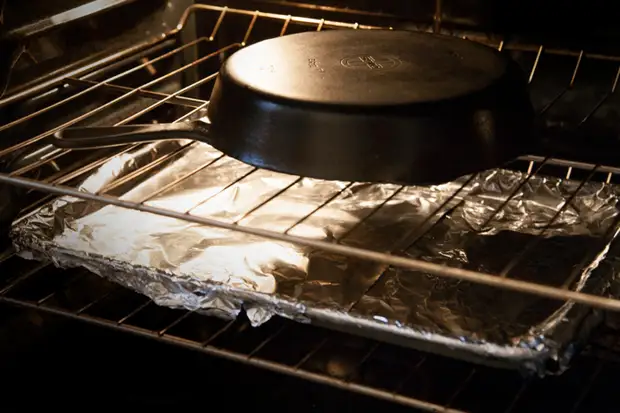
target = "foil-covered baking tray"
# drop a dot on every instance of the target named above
(221, 272)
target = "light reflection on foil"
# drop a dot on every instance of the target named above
(181, 264)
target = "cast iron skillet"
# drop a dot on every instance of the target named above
(356, 105)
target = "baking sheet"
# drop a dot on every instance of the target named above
(222, 272)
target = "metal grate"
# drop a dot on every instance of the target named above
(462, 385)
(58, 185)
(397, 375)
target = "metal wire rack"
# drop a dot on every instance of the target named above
(56, 185)
(413, 379)
(117, 308)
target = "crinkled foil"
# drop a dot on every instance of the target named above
(184, 265)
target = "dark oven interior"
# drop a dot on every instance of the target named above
(69, 333)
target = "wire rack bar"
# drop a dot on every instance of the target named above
(345, 25)
(86, 68)
(94, 87)
(90, 166)
(360, 253)
(108, 104)
(533, 243)
(584, 166)
(56, 188)
(238, 357)
(349, 251)
(328, 9)
(520, 286)
(131, 92)
(116, 89)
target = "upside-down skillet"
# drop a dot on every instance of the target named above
(356, 105)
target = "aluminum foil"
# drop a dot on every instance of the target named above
(222, 272)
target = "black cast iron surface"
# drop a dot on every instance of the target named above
(312, 106)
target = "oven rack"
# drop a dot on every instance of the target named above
(45, 288)
(417, 381)
(56, 185)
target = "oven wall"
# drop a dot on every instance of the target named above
(578, 24)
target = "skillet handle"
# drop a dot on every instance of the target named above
(109, 136)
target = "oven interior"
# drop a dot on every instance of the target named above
(68, 332)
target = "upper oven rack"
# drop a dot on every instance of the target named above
(56, 185)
